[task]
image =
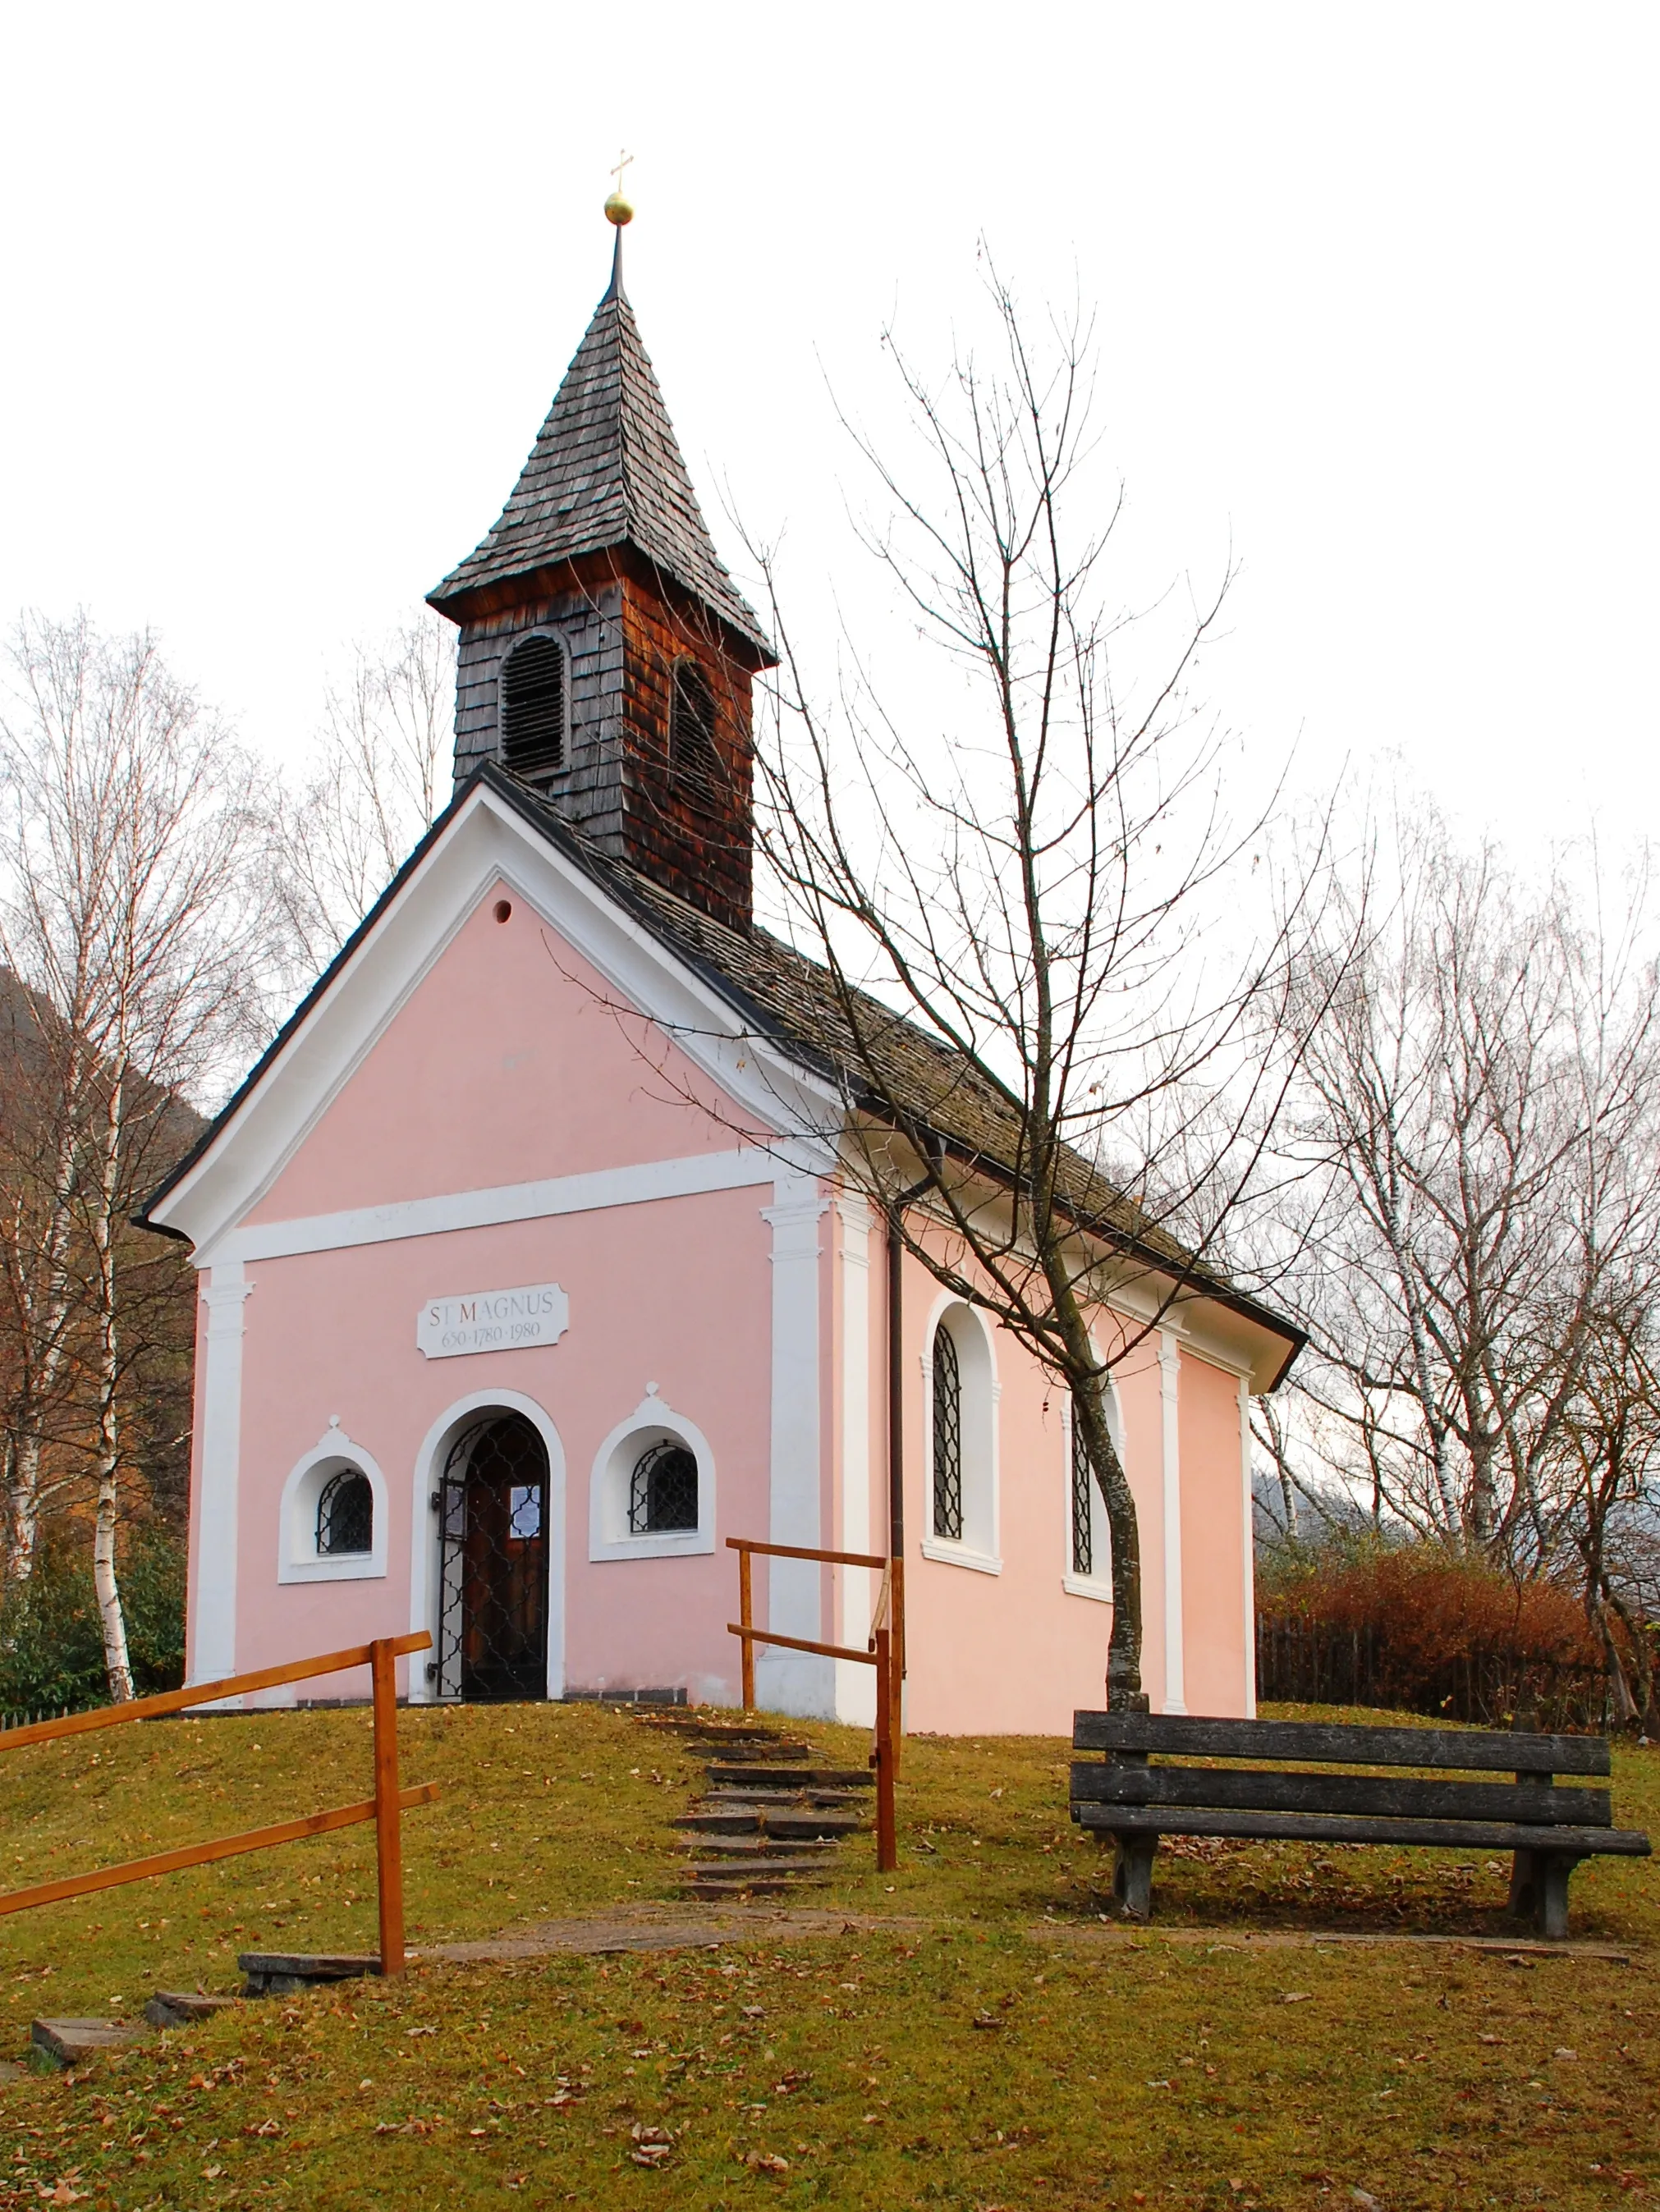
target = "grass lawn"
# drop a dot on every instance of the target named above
(995, 2047)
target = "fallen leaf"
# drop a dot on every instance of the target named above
(1298, 1996)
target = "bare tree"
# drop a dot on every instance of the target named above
(1062, 1021)
(132, 911)
(1480, 1089)
(382, 773)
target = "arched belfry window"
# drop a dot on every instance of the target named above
(345, 1515)
(533, 708)
(693, 762)
(947, 1437)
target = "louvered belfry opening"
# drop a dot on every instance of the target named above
(694, 761)
(533, 708)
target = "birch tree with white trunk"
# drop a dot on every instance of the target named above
(133, 905)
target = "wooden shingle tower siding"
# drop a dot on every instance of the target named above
(603, 548)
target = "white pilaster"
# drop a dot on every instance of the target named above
(855, 1685)
(213, 1639)
(795, 1681)
(1248, 1577)
(1170, 1369)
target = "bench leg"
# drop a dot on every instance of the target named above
(1523, 1884)
(1550, 1894)
(1132, 1874)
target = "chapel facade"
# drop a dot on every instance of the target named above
(530, 1268)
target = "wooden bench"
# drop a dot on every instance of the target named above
(1134, 1802)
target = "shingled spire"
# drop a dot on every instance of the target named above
(605, 654)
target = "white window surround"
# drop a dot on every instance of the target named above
(298, 1558)
(977, 1547)
(1097, 1585)
(652, 1422)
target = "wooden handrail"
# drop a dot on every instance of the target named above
(384, 1808)
(884, 1652)
(806, 1551)
(206, 1693)
(221, 1847)
(800, 1644)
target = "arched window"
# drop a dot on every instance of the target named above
(1083, 1504)
(345, 1515)
(663, 1491)
(533, 708)
(693, 762)
(654, 1487)
(1089, 1532)
(962, 1441)
(947, 1437)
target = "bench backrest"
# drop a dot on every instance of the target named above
(1484, 1750)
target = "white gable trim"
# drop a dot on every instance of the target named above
(694, 1175)
(486, 841)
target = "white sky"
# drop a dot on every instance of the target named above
(288, 292)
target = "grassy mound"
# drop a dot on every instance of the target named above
(995, 2045)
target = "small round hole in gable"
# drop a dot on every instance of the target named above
(503, 909)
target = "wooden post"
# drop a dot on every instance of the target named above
(746, 1620)
(887, 1847)
(388, 1840)
(897, 1609)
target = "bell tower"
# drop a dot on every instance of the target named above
(605, 656)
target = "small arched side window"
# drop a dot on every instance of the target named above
(693, 762)
(947, 1437)
(663, 1492)
(533, 708)
(1083, 1504)
(345, 1515)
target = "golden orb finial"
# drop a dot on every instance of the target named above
(618, 210)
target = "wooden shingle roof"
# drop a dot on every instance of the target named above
(606, 472)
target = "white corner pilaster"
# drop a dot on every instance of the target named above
(797, 1682)
(1247, 1554)
(1169, 1371)
(855, 1685)
(213, 1627)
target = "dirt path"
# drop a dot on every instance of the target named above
(665, 1928)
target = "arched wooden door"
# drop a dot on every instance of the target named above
(493, 1562)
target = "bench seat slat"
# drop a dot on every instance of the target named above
(1490, 1750)
(1336, 1828)
(1385, 1796)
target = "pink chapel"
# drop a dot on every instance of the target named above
(530, 1270)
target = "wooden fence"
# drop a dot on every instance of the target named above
(885, 1652)
(384, 1809)
(1321, 1663)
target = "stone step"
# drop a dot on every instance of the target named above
(830, 1801)
(178, 2008)
(72, 2042)
(765, 1870)
(285, 1974)
(761, 1847)
(763, 1886)
(742, 1820)
(794, 1778)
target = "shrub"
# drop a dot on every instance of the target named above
(1419, 1628)
(52, 1645)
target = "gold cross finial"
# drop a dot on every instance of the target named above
(618, 210)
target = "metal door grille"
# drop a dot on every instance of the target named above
(947, 1437)
(493, 1563)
